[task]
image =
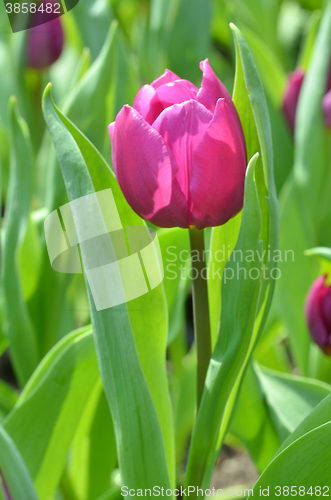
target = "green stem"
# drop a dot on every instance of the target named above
(200, 309)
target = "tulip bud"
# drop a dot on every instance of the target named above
(318, 313)
(179, 152)
(291, 96)
(44, 42)
(326, 103)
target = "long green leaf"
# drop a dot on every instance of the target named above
(137, 427)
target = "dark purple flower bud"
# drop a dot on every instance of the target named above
(45, 40)
(318, 313)
(326, 104)
(291, 96)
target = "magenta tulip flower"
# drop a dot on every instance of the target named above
(291, 96)
(45, 40)
(318, 313)
(179, 152)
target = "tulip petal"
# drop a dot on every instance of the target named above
(212, 88)
(326, 103)
(167, 77)
(182, 126)
(145, 169)
(142, 101)
(218, 170)
(316, 324)
(151, 102)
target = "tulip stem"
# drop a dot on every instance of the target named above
(200, 309)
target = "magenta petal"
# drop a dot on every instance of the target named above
(142, 101)
(145, 169)
(316, 324)
(326, 104)
(167, 77)
(151, 102)
(212, 88)
(182, 126)
(291, 96)
(218, 171)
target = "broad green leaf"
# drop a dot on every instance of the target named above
(44, 420)
(140, 444)
(304, 463)
(240, 301)
(252, 423)
(14, 470)
(290, 398)
(18, 326)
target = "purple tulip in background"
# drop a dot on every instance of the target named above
(291, 97)
(318, 313)
(179, 152)
(44, 42)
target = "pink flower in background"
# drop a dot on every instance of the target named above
(179, 152)
(291, 97)
(318, 313)
(45, 40)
